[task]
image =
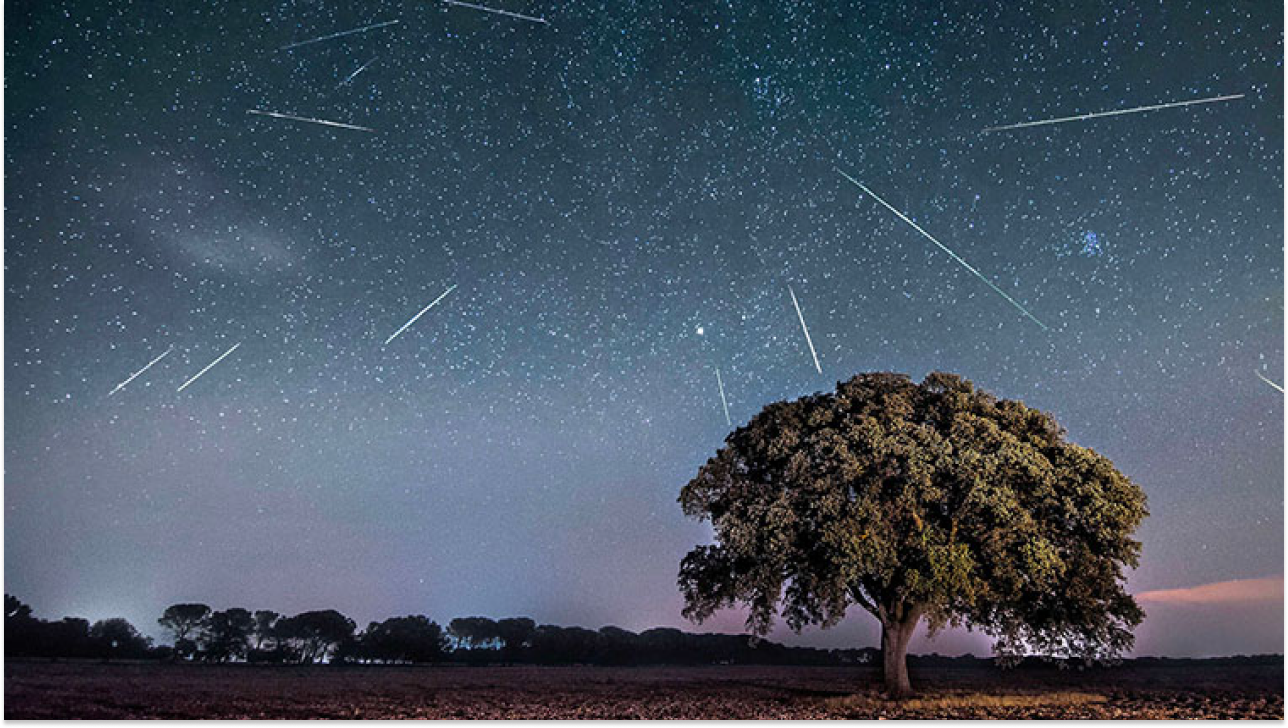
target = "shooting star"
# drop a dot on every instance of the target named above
(354, 75)
(146, 367)
(1119, 112)
(433, 303)
(197, 376)
(805, 328)
(1267, 381)
(529, 18)
(323, 122)
(723, 401)
(341, 34)
(944, 248)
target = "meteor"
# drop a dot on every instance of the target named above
(305, 119)
(494, 10)
(1267, 381)
(432, 303)
(805, 328)
(723, 401)
(339, 35)
(944, 248)
(197, 376)
(1118, 112)
(146, 367)
(354, 75)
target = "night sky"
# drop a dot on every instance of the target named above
(622, 196)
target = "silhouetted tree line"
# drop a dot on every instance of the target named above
(482, 640)
(27, 636)
(241, 635)
(264, 636)
(200, 633)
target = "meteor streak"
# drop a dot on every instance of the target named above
(1267, 381)
(944, 248)
(432, 303)
(339, 35)
(723, 401)
(354, 75)
(494, 10)
(805, 328)
(1118, 112)
(323, 122)
(197, 376)
(146, 367)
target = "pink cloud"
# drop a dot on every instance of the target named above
(1265, 589)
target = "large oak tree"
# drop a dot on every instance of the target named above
(935, 501)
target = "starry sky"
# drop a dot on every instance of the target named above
(622, 196)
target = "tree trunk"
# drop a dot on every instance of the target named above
(895, 637)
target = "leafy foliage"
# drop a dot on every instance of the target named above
(117, 638)
(265, 621)
(935, 499)
(403, 639)
(229, 634)
(311, 636)
(474, 632)
(187, 622)
(72, 637)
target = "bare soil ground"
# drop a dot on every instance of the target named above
(1164, 690)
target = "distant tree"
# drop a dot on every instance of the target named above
(185, 648)
(311, 636)
(662, 645)
(618, 646)
(21, 630)
(515, 634)
(68, 637)
(187, 623)
(228, 634)
(552, 644)
(264, 621)
(618, 634)
(347, 651)
(116, 638)
(15, 609)
(934, 501)
(473, 632)
(404, 639)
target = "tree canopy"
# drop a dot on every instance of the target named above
(116, 637)
(311, 636)
(228, 634)
(934, 500)
(473, 632)
(185, 621)
(412, 638)
(265, 621)
(107, 639)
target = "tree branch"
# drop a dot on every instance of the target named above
(863, 601)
